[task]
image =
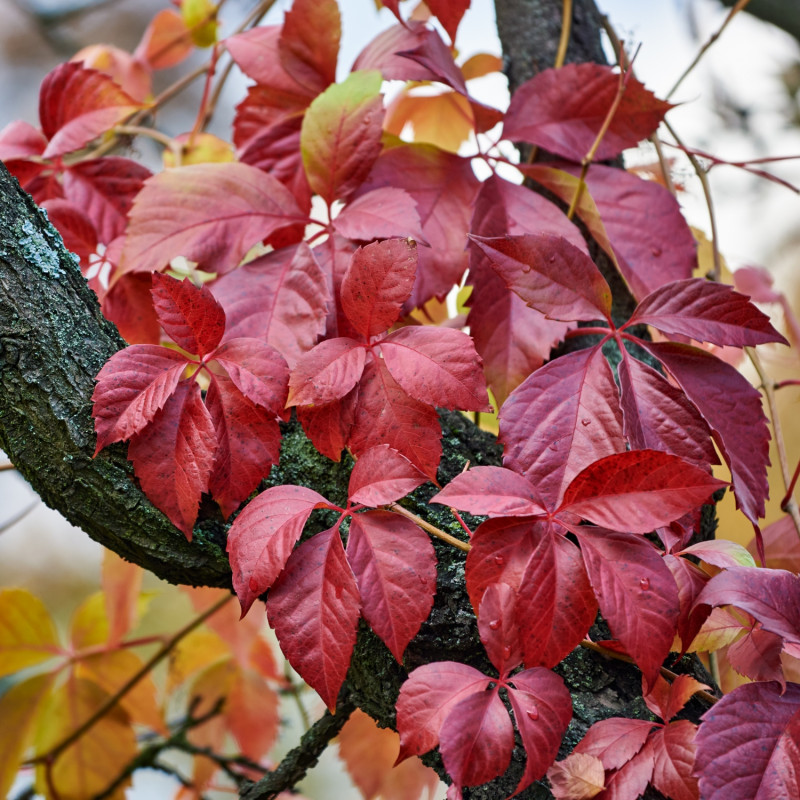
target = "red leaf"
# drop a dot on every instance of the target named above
(327, 372)
(77, 104)
(256, 53)
(665, 699)
(637, 594)
(476, 739)
(758, 656)
(249, 443)
(732, 409)
(129, 305)
(449, 13)
(658, 416)
(706, 311)
(382, 475)
(309, 43)
(781, 545)
(132, 387)
(497, 625)
(690, 580)
(380, 214)
(18, 140)
(190, 316)
(383, 53)
(427, 697)
(564, 109)
(550, 274)
(772, 596)
(632, 778)
(173, 456)
(105, 189)
(75, 227)
(280, 297)
(314, 608)
(493, 491)
(263, 535)
(387, 415)
(747, 746)
(395, 567)
(543, 710)
(638, 491)
(377, 283)
(674, 751)
(329, 426)
(444, 186)
(561, 419)
(438, 366)
(556, 604)
(209, 213)
(500, 552)
(257, 370)
(650, 238)
(615, 741)
(341, 135)
(433, 54)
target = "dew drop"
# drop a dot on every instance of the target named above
(533, 713)
(554, 446)
(526, 268)
(655, 251)
(552, 258)
(507, 651)
(585, 422)
(644, 583)
(494, 624)
(499, 560)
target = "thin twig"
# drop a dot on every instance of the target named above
(713, 38)
(428, 528)
(11, 521)
(566, 29)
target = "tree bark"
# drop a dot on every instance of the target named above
(54, 340)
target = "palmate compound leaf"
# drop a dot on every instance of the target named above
(638, 491)
(395, 568)
(77, 104)
(561, 419)
(263, 535)
(563, 110)
(314, 608)
(747, 744)
(209, 213)
(706, 311)
(550, 274)
(637, 594)
(732, 409)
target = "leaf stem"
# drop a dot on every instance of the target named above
(428, 528)
(566, 29)
(51, 755)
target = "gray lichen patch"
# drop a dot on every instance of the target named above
(38, 251)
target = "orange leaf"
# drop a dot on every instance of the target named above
(19, 710)
(578, 777)
(443, 119)
(166, 42)
(479, 65)
(89, 626)
(27, 633)
(111, 671)
(87, 767)
(195, 652)
(251, 712)
(369, 753)
(122, 582)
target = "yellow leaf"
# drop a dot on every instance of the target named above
(195, 652)
(202, 148)
(97, 758)
(200, 17)
(27, 633)
(122, 582)
(19, 709)
(112, 670)
(719, 630)
(444, 119)
(89, 626)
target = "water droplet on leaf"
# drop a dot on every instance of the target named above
(586, 422)
(499, 560)
(645, 583)
(533, 713)
(494, 624)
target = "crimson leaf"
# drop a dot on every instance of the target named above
(382, 475)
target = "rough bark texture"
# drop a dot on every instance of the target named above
(53, 340)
